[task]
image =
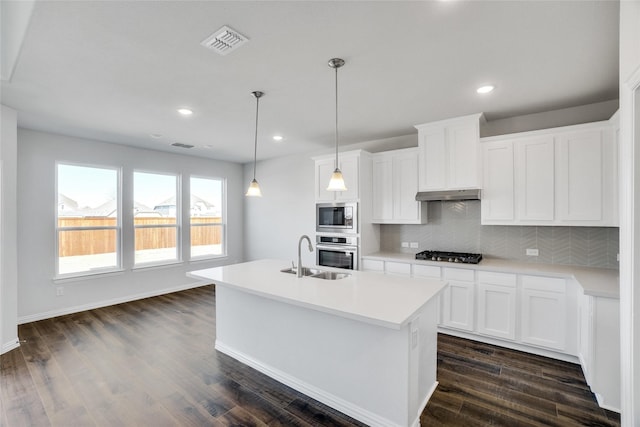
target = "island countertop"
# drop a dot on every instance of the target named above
(388, 301)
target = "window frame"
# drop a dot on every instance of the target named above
(178, 224)
(222, 224)
(118, 227)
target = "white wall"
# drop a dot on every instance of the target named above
(630, 210)
(8, 235)
(286, 210)
(37, 156)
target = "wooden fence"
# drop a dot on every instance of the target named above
(91, 242)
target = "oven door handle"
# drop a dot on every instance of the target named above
(337, 248)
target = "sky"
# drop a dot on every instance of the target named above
(93, 186)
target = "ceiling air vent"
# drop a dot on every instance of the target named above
(181, 145)
(224, 40)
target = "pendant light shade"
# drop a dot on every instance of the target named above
(254, 187)
(337, 180)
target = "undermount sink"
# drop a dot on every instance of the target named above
(331, 275)
(317, 273)
(306, 271)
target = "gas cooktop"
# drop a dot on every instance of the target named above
(459, 257)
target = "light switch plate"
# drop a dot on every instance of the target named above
(533, 252)
(414, 245)
(405, 244)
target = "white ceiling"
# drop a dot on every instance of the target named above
(117, 71)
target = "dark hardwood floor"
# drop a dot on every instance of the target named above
(152, 363)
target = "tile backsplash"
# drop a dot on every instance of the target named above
(455, 226)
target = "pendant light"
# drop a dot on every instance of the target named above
(337, 181)
(254, 188)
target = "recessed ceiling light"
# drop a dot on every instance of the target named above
(156, 135)
(185, 111)
(278, 138)
(485, 89)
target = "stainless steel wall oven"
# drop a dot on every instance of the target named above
(337, 251)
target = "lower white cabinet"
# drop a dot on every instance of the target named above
(497, 304)
(458, 299)
(599, 349)
(523, 311)
(544, 312)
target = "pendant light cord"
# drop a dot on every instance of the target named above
(336, 117)
(255, 146)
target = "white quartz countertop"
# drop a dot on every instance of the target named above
(599, 282)
(388, 301)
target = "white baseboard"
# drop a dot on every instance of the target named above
(100, 304)
(512, 345)
(10, 345)
(416, 422)
(320, 395)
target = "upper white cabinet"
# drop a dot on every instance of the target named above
(450, 153)
(395, 184)
(560, 176)
(350, 165)
(498, 198)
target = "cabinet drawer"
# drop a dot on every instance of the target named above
(429, 271)
(502, 279)
(458, 274)
(400, 268)
(547, 284)
(372, 265)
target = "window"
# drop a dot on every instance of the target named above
(88, 225)
(156, 218)
(207, 218)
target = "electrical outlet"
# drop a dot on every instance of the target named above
(533, 252)
(414, 245)
(59, 291)
(618, 257)
(404, 244)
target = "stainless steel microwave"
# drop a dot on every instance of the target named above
(337, 218)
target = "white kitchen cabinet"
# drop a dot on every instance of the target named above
(498, 197)
(458, 299)
(395, 184)
(586, 162)
(599, 349)
(426, 271)
(450, 153)
(397, 268)
(560, 176)
(349, 165)
(373, 265)
(535, 179)
(497, 304)
(544, 312)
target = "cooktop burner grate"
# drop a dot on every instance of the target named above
(459, 257)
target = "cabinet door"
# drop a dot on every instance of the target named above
(498, 187)
(581, 175)
(324, 169)
(433, 159)
(457, 306)
(350, 172)
(544, 312)
(382, 197)
(462, 146)
(405, 187)
(497, 311)
(535, 179)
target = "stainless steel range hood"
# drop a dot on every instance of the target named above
(430, 196)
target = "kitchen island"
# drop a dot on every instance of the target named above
(365, 345)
